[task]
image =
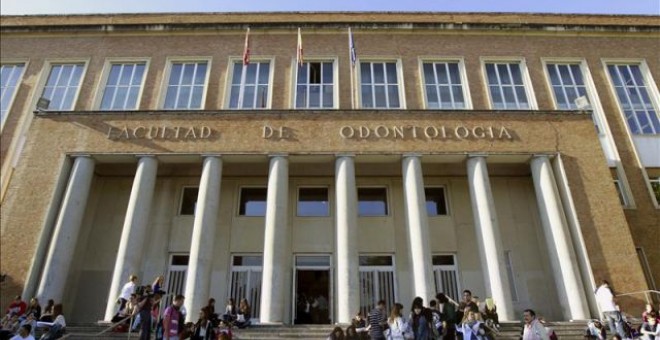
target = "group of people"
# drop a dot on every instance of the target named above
(22, 319)
(140, 310)
(443, 318)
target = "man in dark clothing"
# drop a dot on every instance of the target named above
(377, 320)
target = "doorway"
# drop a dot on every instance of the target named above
(312, 291)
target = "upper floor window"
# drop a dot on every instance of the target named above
(567, 84)
(10, 77)
(313, 202)
(188, 200)
(315, 85)
(249, 85)
(506, 86)
(185, 87)
(63, 85)
(443, 87)
(253, 202)
(122, 88)
(379, 85)
(655, 187)
(436, 202)
(634, 99)
(372, 201)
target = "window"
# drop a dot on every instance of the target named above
(188, 200)
(249, 85)
(313, 202)
(436, 203)
(445, 275)
(377, 281)
(655, 185)
(122, 88)
(315, 85)
(506, 86)
(10, 78)
(372, 201)
(379, 85)
(567, 84)
(246, 273)
(253, 202)
(443, 87)
(620, 191)
(185, 87)
(62, 86)
(634, 99)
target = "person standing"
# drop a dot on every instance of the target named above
(448, 316)
(377, 320)
(127, 290)
(533, 329)
(607, 304)
(172, 319)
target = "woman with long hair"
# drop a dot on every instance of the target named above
(421, 319)
(203, 329)
(337, 334)
(243, 315)
(397, 326)
(230, 311)
(47, 315)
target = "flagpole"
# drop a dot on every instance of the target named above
(246, 56)
(352, 66)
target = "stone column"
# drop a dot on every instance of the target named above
(348, 296)
(276, 246)
(198, 278)
(491, 251)
(418, 227)
(134, 232)
(67, 228)
(557, 236)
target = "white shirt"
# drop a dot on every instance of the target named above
(127, 290)
(535, 331)
(605, 299)
(18, 337)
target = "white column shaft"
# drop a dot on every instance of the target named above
(348, 298)
(276, 235)
(418, 227)
(134, 232)
(67, 228)
(198, 278)
(562, 255)
(487, 230)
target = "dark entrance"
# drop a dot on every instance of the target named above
(312, 297)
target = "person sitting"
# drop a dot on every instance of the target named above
(10, 326)
(337, 334)
(360, 324)
(650, 329)
(17, 307)
(34, 309)
(24, 333)
(243, 315)
(490, 314)
(230, 311)
(57, 328)
(157, 286)
(47, 315)
(595, 331)
(31, 321)
(351, 333)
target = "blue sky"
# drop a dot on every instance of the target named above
(17, 7)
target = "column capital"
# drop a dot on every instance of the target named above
(411, 154)
(542, 155)
(283, 155)
(145, 155)
(205, 155)
(347, 154)
(477, 155)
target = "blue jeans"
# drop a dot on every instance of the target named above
(615, 321)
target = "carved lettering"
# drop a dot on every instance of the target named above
(346, 132)
(431, 132)
(381, 131)
(461, 132)
(398, 131)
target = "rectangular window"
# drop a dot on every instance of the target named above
(249, 85)
(253, 202)
(506, 86)
(62, 86)
(188, 200)
(655, 186)
(567, 84)
(436, 202)
(443, 86)
(10, 78)
(619, 190)
(379, 85)
(634, 99)
(185, 87)
(445, 274)
(372, 201)
(315, 85)
(122, 88)
(313, 202)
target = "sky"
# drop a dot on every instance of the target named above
(23, 7)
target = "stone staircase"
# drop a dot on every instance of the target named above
(508, 331)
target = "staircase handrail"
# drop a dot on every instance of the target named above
(647, 294)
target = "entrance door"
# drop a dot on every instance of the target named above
(176, 277)
(377, 282)
(313, 291)
(246, 281)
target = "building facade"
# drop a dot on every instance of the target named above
(514, 155)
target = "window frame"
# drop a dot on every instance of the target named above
(467, 98)
(230, 77)
(105, 74)
(43, 79)
(169, 62)
(180, 204)
(240, 197)
(524, 72)
(400, 82)
(447, 205)
(387, 198)
(335, 85)
(649, 83)
(10, 105)
(297, 215)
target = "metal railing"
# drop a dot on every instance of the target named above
(647, 294)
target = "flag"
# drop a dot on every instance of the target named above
(299, 51)
(351, 48)
(246, 49)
